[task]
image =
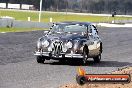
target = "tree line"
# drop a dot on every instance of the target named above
(88, 6)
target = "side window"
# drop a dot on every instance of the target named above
(95, 29)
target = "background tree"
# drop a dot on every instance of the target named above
(90, 6)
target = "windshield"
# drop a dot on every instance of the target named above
(69, 28)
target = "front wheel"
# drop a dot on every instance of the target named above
(85, 56)
(40, 59)
(97, 58)
(62, 61)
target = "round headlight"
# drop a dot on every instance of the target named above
(69, 44)
(38, 44)
(45, 43)
(49, 49)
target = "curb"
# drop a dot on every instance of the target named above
(114, 25)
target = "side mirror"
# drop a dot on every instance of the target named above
(45, 32)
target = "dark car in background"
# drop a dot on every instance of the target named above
(70, 40)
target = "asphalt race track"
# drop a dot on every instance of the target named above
(19, 69)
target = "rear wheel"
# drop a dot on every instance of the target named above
(97, 58)
(40, 59)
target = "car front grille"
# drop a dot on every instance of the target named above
(57, 47)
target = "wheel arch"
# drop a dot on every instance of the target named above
(85, 48)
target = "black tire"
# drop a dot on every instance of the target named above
(101, 48)
(40, 59)
(84, 60)
(97, 58)
(85, 55)
(62, 61)
(81, 80)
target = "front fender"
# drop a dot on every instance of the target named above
(78, 46)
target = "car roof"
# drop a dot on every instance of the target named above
(74, 22)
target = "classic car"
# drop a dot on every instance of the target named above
(68, 40)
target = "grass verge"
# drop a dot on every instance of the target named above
(57, 17)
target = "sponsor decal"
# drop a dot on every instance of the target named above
(83, 78)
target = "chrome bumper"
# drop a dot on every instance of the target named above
(71, 55)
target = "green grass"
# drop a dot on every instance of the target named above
(57, 17)
(4, 29)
